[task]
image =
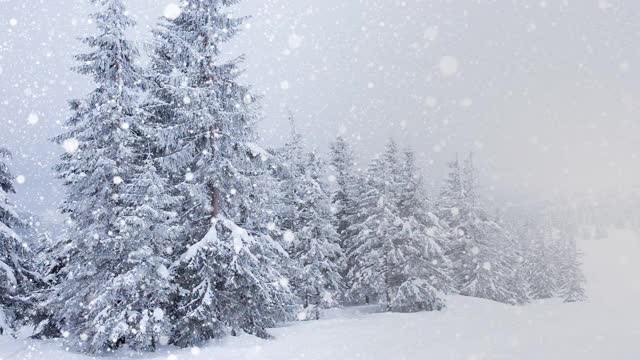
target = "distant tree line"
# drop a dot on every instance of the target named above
(182, 229)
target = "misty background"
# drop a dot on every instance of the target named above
(545, 93)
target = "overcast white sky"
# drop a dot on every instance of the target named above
(545, 92)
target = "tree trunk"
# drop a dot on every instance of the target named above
(215, 200)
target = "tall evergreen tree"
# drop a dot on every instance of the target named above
(485, 254)
(229, 272)
(348, 189)
(413, 209)
(453, 197)
(572, 279)
(17, 264)
(489, 264)
(452, 208)
(541, 270)
(367, 273)
(116, 280)
(391, 256)
(318, 249)
(290, 172)
(345, 195)
(315, 243)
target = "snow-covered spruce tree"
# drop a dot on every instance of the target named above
(17, 263)
(290, 170)
(230, 272)
(390, 255)
(488, 264)
(347, 189)
(425, 226)
(485, 255)
(116, 285)
(452, 208)
(571, 280)
(541, 269)
(366, 275)
(315, 245)
(453, 197)
(347, 186)
(561, 230)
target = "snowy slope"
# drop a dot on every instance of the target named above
(606, 327)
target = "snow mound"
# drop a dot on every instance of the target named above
(469, 328)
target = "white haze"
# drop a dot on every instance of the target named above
(546, 93)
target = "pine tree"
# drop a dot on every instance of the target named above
(367, 276)
(485, 255)
(345, 196)
(229, 272)
(317, 243)
(116, 280)
(541, 270)
(18, 276)
(390, 255)
(453, 197)
(290, 173)
(426, 228)
(308, 216)
(347, 191)
(452, 208)
(572, 279)
(488, 263)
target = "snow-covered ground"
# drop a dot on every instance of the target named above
(605, 327)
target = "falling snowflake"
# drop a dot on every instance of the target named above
(288, 236)
(71, 145)
(284, 282)
(163, 271)
(158, 314)
(20, 179)
(448, 66)
(33, 119)
(172, 11)
(164, 340)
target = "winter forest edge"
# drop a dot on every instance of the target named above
(182, 229)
